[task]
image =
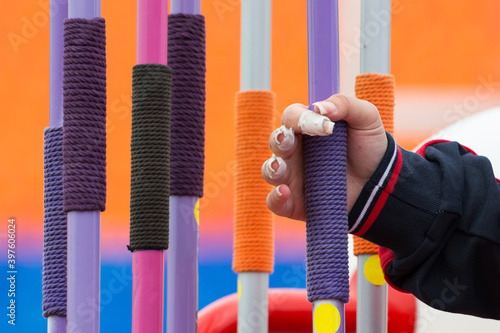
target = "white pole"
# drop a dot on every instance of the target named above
(371, 311)
(255, 75)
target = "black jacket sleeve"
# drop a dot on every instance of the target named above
(436, 216)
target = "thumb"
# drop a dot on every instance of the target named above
(359, 114)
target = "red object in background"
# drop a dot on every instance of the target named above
(290, 312)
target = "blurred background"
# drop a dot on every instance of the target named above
(445, 57)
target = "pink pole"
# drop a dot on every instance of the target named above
(152, 31)
(148, 266)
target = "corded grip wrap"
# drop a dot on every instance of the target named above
(54, 226)
(150, 148)
(84, 130)
(377, 89)
(326, 215)
(253, 221)
(186, 57)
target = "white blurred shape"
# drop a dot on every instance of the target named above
(480, 133)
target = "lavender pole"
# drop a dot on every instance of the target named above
(59, 12)
(182, 272)
(325, 179)
(84, 253)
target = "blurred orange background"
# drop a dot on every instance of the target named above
(441, 51)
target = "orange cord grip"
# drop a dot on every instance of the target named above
(377, 89)
(253, 221)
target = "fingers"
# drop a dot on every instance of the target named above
(275, 171)
(359, 114)
(306, 121)
(281, 202)
(283, 141)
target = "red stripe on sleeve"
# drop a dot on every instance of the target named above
(383, 197)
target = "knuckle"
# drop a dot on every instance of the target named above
(341, 101)
(288, 113)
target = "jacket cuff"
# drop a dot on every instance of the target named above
(393, 210)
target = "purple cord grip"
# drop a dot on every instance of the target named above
(84, 102)
(186, 57)
(54, 227)
(326, 216)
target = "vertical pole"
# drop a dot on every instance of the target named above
(148, 266)
(255, 45)
(59, 12)
(255, 75)
(182, 272)
(328, 298)
(375, 58)
(84, 260)
(376, 47)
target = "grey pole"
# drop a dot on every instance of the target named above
(371, 311)
(255, 75)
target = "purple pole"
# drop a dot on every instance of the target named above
(58, 13)
(56, 324)
(84, 259)
(186, 7)
(182, 272)
(323, 50)
(323, 44)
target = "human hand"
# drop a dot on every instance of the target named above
(366, 145)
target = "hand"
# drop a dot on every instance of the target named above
(366, 145)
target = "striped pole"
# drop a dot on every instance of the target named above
(186, 57)
(376, 86)
(84, 219)
(55, 221)
(150, 147)
(325, 179)
(253, 250)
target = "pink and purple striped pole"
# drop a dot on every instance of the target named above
(148, 266)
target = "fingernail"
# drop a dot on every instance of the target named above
(328, 127)
(287, 140)
(280, 171)
(278, 193)
(313, 124)
(326, 107)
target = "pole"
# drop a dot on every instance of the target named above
(375, 58)
(84, 254)
(326, 215)
(148, 265)
(255, 75)
(186, 26)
